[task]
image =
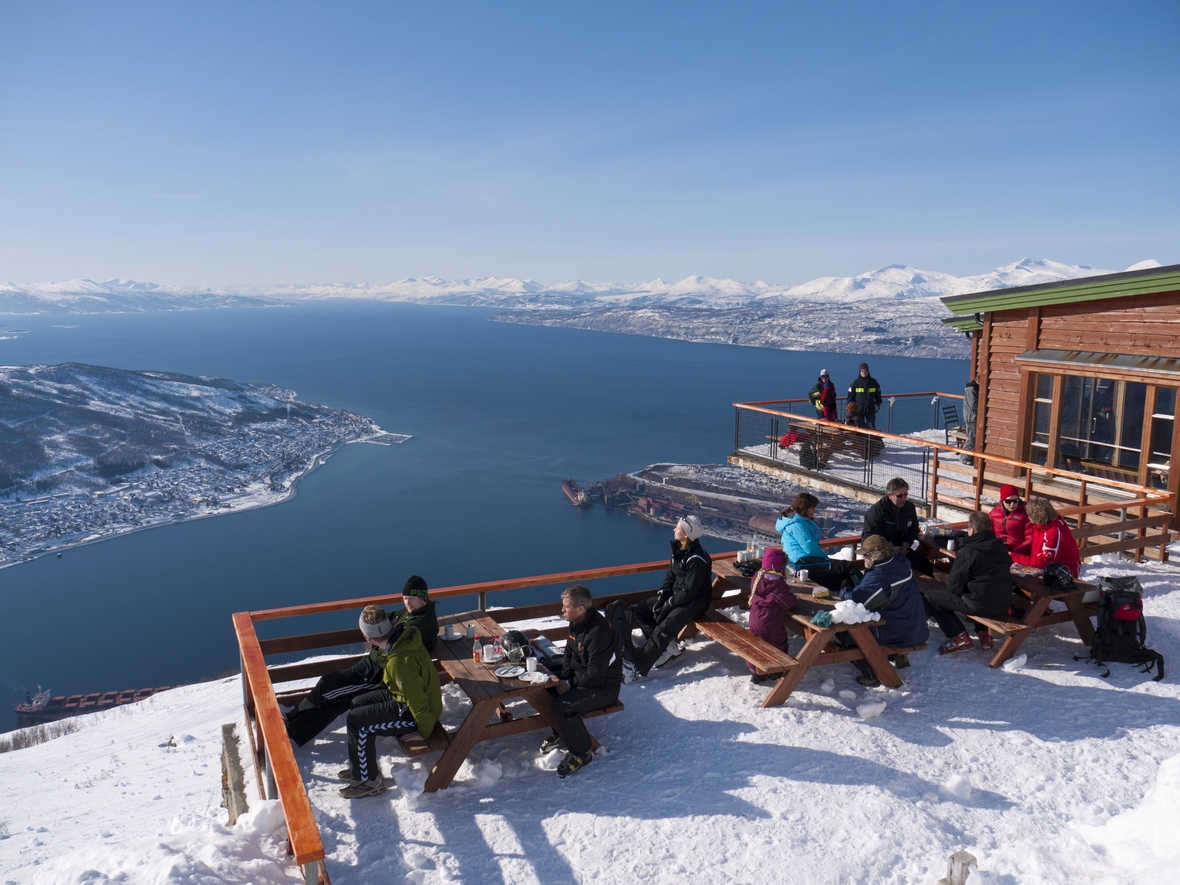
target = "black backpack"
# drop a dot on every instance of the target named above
(1122, 629)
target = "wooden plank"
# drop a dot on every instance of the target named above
(291, 672)
(307, 641)
(862, 635)
(791, 678)
(1115, 527)
(302, 831)
(462, 741)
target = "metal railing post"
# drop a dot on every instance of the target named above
(773, 437)
(737, 429)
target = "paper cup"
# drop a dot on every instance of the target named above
(471, 631)
(449, 632)
(803, 576)
(530, 664)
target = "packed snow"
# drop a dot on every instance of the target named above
(1044, 771)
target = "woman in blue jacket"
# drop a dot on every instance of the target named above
(801, 535)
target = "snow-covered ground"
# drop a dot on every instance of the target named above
(1045, 772)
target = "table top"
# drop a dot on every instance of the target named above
(476, 679)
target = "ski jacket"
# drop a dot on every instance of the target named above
(800, 537)
(981, 575)
(866, 393)
(409, 674)
(823, 397)
(689, 582)
(425, 619)
(897, 525)
(1052, 543)
(904, 614)
(770, 600)
(593, 655)
(1014, 528)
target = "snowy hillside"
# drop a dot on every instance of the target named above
(1045, 772)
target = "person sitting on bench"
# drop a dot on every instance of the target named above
(770, 600)
(394, 690)
(591, 671)
(979, 583)
(1052, 540)
(800, 537)
(419, 611)
(888, 587)
(895, 519)
(684, 597)
(1010, 521)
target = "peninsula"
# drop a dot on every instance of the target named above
(91, 452)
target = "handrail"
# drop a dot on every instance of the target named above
(943, 447)
(771, 402)
(591, 574)
(306, 844)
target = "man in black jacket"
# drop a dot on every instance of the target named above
(979, 583)
(895, 519)
(684, 597)
(591, 672)
(865, 392)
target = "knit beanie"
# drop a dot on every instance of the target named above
(691, 526)
(773, 560)
(1009, 491)
(415, 586)
(864, 366)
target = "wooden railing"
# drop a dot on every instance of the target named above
(1106, 510)
(277, 771)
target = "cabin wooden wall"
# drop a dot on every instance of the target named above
(1142, 325)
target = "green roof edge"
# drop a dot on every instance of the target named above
(1162, 279)
(963, 324)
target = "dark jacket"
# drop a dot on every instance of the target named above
(425, 619)
(823, 397)
(689, 582)
(897, 526)
(593, 655)
(905, 615)
(981, 576)
(866, 393)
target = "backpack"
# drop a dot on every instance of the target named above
(816, 395)
(1122, 629)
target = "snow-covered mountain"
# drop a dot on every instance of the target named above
(891, 310)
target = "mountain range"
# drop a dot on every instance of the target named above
(891, 310)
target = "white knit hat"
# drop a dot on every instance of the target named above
(691, 526)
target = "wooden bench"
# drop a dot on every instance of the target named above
(1031, 594)
(760, 654)
(1109, 471)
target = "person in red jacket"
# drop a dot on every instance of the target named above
(1052, 541)
(1010, 521)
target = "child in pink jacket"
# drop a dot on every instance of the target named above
(770, 600)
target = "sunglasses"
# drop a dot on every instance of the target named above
(901, 494)
(1011, 500)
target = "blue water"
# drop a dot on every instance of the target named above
(499, 413)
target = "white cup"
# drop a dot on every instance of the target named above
(471, 631)
(530, 664)
(489, 654)
(950, 545)
(803, 576)
(449, 632)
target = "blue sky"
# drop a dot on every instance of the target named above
(220, 143)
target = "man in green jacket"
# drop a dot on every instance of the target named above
(419, 611)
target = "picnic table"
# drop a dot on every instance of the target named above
(1031, 595)
(489, 716)
(819, 647)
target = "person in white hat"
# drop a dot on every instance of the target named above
(823, 397)
(684, 597)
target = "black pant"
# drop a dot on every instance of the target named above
(660, 628)
(332, 695)
(567, 708)
(942, 607)
(830, 573)
(373, 714)
(920, 563)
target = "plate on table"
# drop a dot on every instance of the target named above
(510, 672)
(537, 677)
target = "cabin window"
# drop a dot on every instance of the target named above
(1102, 421)
(1163, 420)
(1042, 415)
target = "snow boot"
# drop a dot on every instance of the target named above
(956, 643)
(630, 673)
(553, 742)
(572, 762)
(672, 651)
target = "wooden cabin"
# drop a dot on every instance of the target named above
(1080, 375)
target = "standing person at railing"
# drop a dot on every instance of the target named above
(1052, 540)
(1010, 521)
(801, 535)
(865, 392)
(823, 396)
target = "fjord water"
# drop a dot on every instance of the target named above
(499, 414)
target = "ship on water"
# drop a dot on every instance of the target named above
(45, 707)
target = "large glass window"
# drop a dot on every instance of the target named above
(1163, 421)
(1042, 413)
(1102, 421)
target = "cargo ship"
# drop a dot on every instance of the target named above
(44, 707)
(579, 496)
